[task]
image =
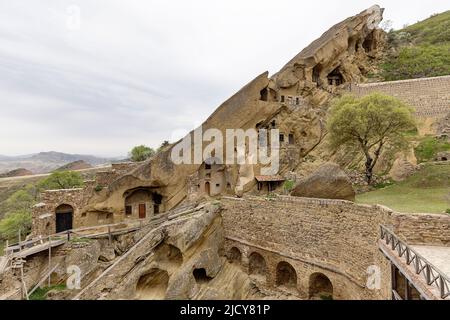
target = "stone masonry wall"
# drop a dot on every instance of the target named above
(430, 97)
(334, 237)
(44, 213)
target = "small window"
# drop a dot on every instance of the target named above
(128, 210)
(289, 100)
(274, 123)
(297, 101)
(282, 99)
(207, 166)
(281, 137)
(217, 185)
(291, 138)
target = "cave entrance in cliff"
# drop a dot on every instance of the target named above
(368, 43)
(335, 78)
(286, 275)
(152, 285)
(64, 218)
(316, 74)
(157, 201)
(142, 201)
(201, 276)
(257, 266)
(320, 287)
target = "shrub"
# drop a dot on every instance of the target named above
(429, 147)
(62, 180)
(289, 185)
(13, 222)
(141, 153)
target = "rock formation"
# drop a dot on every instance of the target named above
(328, 182)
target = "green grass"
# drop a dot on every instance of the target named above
(429, 147)
(427, 191)
(420, 50)
(41, 293)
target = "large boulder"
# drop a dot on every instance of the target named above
(328, 182)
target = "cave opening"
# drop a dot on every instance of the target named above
(335, 78)
(201, 276)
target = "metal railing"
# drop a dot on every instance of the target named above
(432, 275)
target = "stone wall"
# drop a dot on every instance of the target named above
(333, 237)
(430, 97)
(419, 228)
(44, 213)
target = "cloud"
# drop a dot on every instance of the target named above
(144, 71)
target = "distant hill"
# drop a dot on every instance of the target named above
(77, 165)
(45, 162)
(420, 50)
(16, 173)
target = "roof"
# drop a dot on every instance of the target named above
(269, 178)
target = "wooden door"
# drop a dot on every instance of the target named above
(207, 188)
(63, 221)
(142, 211)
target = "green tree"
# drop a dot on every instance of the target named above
(369, 125)
(141, 153)
(20, 200)
(163, 145)
(13, 222)
(62, 180)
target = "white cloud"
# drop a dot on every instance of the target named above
(145, 71)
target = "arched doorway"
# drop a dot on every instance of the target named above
(207, 188)
(64, 218)
(286, 275)
(320, 287)
(257, 266)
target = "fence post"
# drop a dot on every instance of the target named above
(442, 285)
(68, 235)
(427, 273)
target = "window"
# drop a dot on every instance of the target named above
(128, 210)
(281, 137)
(274, 123)
(282, 99)
(289, 100)
(207, 166)
(217, 185)
(291, 138)
(297, 101)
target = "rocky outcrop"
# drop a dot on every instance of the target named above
(328, 182)
(76, 165)
(16, 173)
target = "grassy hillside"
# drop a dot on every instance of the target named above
(420, 50)
(427, 191)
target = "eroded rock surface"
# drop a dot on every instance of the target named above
(328, 182)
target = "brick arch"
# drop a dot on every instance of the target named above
(257, 265)
(320, 286)
(234, 255)
(286, 275)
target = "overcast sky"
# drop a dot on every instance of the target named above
(139, 72)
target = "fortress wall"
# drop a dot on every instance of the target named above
(430, 97)
(430, 229)
(334, 237)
